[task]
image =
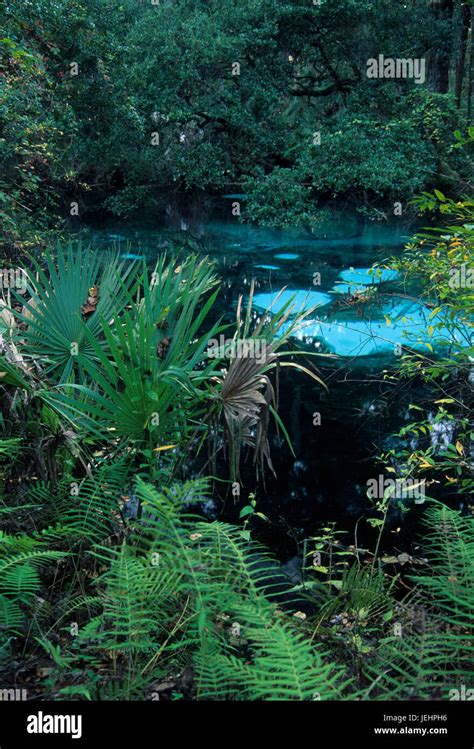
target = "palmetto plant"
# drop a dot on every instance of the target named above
(138, 386)
(138, 370)
(134, 367)
(55, 329)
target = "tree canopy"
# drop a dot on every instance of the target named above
(118, 104)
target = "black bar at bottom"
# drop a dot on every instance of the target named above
(137, 724)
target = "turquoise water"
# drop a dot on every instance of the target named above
(318, 268)
(326, 479)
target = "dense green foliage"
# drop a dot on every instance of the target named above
(437, 266)
(109, 580)
(124, 105)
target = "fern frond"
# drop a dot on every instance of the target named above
(450, 548)
(128, 620)
(425, 660)
(280, 663)
(11, 616)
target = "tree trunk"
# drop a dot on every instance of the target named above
(470, 79)
(461, 56)
(438, 62)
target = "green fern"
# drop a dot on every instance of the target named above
(20, 582)
(173, 591)
(434, 648)
(450, 546)
(128, 620)
(276, 661)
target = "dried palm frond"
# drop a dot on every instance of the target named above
(244, 396)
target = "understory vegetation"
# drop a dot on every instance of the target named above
(114, 584)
